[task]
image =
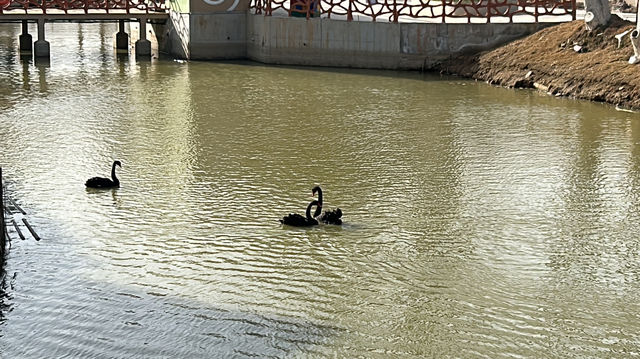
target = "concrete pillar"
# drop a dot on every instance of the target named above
(143, 46)
(122, 38)
(25, 38)
(41, 47)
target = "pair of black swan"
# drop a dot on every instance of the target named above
(328, 217)
(101, 182)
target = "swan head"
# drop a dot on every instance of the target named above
(117, 163)
(316, 189)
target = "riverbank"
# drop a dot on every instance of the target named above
(548, 60)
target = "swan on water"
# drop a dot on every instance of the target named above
(101, 182)
(297, 220)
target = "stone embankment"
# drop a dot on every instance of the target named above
(563, 60)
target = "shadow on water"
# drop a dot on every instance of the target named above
(148, 324)
(42, 63)
(121, 57)
(99, 192)
(26, 58)
(396, 74)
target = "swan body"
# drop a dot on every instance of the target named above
(328, 216)
(101, 182)
(297, 220)
(331, 217)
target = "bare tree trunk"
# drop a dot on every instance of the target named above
(598, 13)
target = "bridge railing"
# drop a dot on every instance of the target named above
(419, 10)
(87, 5)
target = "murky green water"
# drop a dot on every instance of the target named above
(479, 221)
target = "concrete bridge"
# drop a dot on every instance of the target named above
(42, 11)
(385, 34)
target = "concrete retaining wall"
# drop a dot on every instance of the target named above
(324, 42)
(204, 36)
(218, 36)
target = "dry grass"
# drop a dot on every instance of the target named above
(601, 73)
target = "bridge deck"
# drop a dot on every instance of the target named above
(80, 15)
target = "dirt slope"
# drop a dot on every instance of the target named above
(548, 61)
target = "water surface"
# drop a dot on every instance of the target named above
(479, 221)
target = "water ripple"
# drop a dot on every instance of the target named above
(478, 222)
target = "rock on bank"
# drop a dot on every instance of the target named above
(548, 60)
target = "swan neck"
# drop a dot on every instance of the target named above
(317, 212)
(308, 212)
(113, 173)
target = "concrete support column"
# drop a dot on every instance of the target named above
(122, 38)
(41, 47)
(143, 46)
(25, 38)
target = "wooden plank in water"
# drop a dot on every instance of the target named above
(33, 233)
(16, 206)
(18, 229)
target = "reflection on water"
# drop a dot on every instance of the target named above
(479, 222)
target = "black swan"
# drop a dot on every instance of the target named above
(101, 182)
(328, 217)
(294, 219)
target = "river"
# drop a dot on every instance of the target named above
(478, 221)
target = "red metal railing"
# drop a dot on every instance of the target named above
(86, 5)
(407, 10)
